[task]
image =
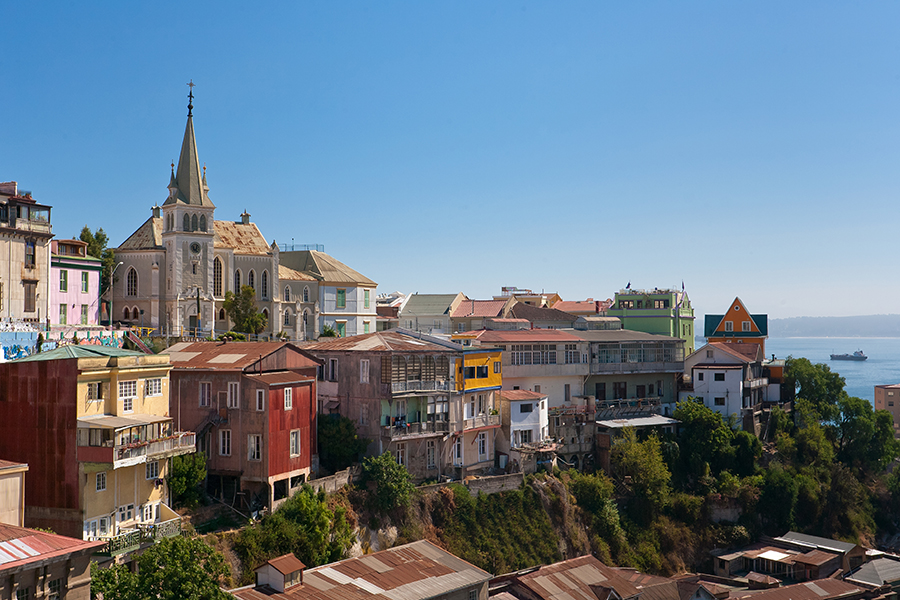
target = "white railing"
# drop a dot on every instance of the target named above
(420, 386)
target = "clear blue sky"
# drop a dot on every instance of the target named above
(746, 148)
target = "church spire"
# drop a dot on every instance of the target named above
(191, 187)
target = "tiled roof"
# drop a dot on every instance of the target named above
(393, 340)
(523, 336)
(243, 239)
(413, 571)
(428, 304)
(517, 395)
(221, 356)
(289, 274)
(20, 546)
(582, 573)
(582, 306)
(147, 237)
(521, 310)
(479, 308)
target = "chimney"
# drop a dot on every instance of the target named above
(155, 210)
(245, 217)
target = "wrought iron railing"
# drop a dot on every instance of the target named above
(143, 533)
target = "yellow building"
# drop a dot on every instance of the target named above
(93, 424)
(475, 409)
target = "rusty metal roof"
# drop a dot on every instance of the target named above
(525, 336)
(279, 377)
(147, 237)
(575, 578)
(820, 589)
(12, 465)
(287, 273)
(20, 546)
(393, 340)
(479, 308)
(516, 395)
(221, 356)
(243, 239)
(286, 564)
(415, 571)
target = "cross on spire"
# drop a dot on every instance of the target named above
(191, 85)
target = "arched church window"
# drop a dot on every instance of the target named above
(194, 223)
(251, 279)
(126, 314)
(287, 318)
(264, 285)
(221, 314)
(265, 313)
(237, 281)
(306, 294)
(131, 283)
(305, 318)
(186, 225)
(202, 222)
(217, 278)
(287, 294)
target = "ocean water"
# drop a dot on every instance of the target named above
(883, 366)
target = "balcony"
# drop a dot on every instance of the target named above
(617, 368)
(134, 453)
(415, 429)
(756, 383)
(482, 421)
(132, 539)
(400, 387)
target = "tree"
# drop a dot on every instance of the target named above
(778, 499)
(328, 331)
(187, 474)
(242, 311)
(815, 383)
(643, 463)
(175, 568)
(393, 485)
(339, 444)
(865, 438)
(705, 439)
(96, 247)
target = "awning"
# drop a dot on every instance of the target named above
(114, 422)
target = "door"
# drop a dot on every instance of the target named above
(600, 391)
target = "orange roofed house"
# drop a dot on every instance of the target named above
(737, 326)
(253, 406)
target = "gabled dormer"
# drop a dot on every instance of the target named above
(280, 573)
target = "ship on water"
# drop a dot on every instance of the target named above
(858, 355)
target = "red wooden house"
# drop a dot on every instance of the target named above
(253, 406)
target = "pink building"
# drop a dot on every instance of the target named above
(74, 284)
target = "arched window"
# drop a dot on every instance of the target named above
(264, 284)
(131, 283)
(186, 225)
(306, 294)
(194, 223)
(202, 222)
(251, 279)
(217, 278)
(305, 318)
(287, 318)
(126, 314)
(265, 313)
(287, 293)
(237, 281)
(221, 314)
(135, 313)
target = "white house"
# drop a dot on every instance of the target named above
(726, 377)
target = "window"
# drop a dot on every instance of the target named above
(151, 470)
(101, 481)
(473, 594)
(205, 393)
(366, 326)
(496, 366)
(522, 436)
(482, 446)
(217, 278)
(23, 593)
(660, 304)
(700, 376)
(729, 326)
(537, 389)
(573, 356)
(332, 369)
(364, 414)
(306, 294)
(287, 318)
(237, 281)
(63, 313)
(481, 404)
(127, 393)
(526, 407)
(567, 392)
(295, 442)
(481, 372)
(251, 279)
(470, 408)
(29, 255)
(720, 401)
(254, 447)
(54, 588)
(63, 280)
(94, 391)
(533, 354)
(30, 288)
(745, 326)
(126, 512)
(225, 442)
(264, 284)
(288, 398)
(366, 296)
(194, 223)
(430, 454)
(710, 354)
(342, 298)
(286, 295)
(84, 314)
(364, 371)
(233, 392)
(341, 328)
(261, 399)
(718, 376)
(131, 282)
(153, 387)
(400, 454)
(469, 372)
(457, 452)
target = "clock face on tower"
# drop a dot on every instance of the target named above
(195, 248)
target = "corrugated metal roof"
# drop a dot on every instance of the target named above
(517, 395)
(428, 304)
(821, 589)
(878, 572)
(324, 267)
(147, 237)
(114, 422)
(525, 336)
(621, 335)
(89, 351)
(230, 356)
(243, 239)
(12, 466)
(20, 546)
(393, 340)
(520, 310)
(820, 542)
(279, 377)
(286, 564)
(290, 274)
(479, 308)
(575, 578)
(654, 421)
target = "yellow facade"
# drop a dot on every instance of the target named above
(480, 369)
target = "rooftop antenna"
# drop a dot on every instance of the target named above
(191, 85)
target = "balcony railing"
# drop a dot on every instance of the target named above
(420, 386)
(428, 427)
(481, 421)
(180, 443)
(756, 383)
(132, 539)
(36, 226)
(637, 367)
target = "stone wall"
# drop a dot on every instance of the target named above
(485, 485)
(333, 483)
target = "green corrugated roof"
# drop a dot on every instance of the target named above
(428, 304)
(712, 321)
(64, 352)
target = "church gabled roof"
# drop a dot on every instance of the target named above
(147, 237)
(189, 181)
(323, 267)
(243, 239)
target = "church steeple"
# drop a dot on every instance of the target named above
(190, 184)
